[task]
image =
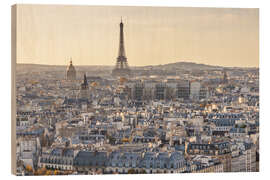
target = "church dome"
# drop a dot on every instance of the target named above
(71, 72)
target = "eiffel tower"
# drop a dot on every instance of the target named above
(121, 68)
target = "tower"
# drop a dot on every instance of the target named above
(121, 68)
(71, 72)
(84, 92)
(225, 77)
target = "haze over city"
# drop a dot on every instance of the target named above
(90, 35)
(134, 90)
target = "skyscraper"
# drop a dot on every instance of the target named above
(121, 69)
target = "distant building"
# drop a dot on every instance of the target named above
(220, 150)
(225, 77)
(138, 91)
(160, 91)
(71, 72)
(206, 164)
(172, 89)
(84, 91)
(204, 93)
(244, 160)
(183, 89)
(86, 161)
(198, 91)
(195, 90)
(59, 158)
(212, 149)
(29, 148)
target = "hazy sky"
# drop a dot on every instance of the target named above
(50, 34)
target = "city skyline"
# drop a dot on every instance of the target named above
(153, 35)
(79, 119)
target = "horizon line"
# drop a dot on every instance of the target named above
(142, 65)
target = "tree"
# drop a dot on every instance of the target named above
(131, 171)
(41, 171)
(243, 126)
(143, 171)
(29, 168)
(48, 172)
(56, 172)
(111, 140)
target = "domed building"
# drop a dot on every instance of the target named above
(71, 72)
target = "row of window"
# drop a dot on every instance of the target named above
(57, 161)
(150, 165)
(58, 167)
